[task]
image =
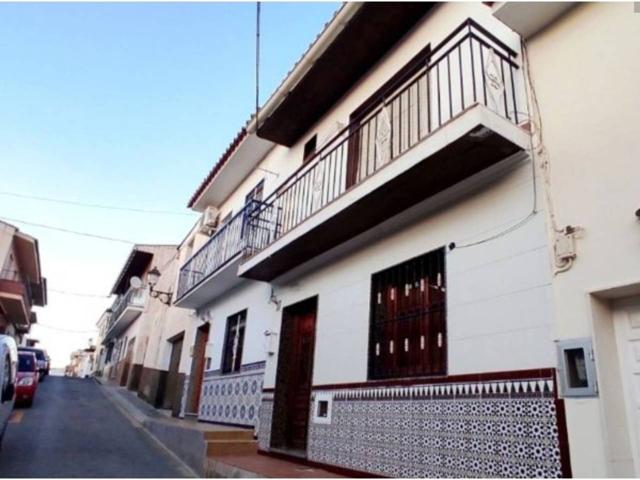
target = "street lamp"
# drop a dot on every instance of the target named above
(152, 279)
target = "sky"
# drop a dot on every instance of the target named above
(126, 105)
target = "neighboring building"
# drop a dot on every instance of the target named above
(82, 363)
(101, 350)
(167, 362)
(585, 74)
(141, 334)
(22, 285)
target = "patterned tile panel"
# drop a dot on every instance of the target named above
(266, 415)
(489, 429)
(233, 399)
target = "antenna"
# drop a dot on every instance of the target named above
(257, 63)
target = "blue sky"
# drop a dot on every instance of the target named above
(127, 105)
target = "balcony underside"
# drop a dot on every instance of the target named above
(466, 146)
(126, 318)
(13, 302)
(220, 281)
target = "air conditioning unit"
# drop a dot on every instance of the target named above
(209, 220)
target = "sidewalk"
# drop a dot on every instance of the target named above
(192, 441)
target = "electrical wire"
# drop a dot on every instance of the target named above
(77, 294)
(532, 153)
(539, 149)
(66, 230)
(66, 330)
(93, 205)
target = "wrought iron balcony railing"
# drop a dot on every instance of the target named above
(226, 243)
(470, 67)
(16, 276)
(134, 297)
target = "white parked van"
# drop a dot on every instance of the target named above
(8, 370)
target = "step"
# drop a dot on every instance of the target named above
(218, 448)
(229, 434)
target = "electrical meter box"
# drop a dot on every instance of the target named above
(577, 368)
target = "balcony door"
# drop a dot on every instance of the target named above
(293, 378)
(389, 121)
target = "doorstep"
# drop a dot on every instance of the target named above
(209, 450)
(261, 466)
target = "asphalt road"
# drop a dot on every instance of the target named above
(73, 430)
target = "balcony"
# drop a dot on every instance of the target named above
(16, 297)
(213, 268)
(124, 310)
(451, 119)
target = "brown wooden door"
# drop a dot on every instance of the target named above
(295, 370)
(171, 389)
(300, 380)
(197, 368)
(126, 366)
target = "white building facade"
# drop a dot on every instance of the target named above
(387, 277)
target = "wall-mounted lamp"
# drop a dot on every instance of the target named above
(152, 279)
(271, 338)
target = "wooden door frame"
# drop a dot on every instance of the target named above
(127, 362)
(168, 395)
(197, 369)
(281, 403)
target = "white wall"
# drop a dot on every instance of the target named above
(586, 74)
(499, 293)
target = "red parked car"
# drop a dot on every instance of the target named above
(27, 378)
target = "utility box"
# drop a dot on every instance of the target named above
(577, 368)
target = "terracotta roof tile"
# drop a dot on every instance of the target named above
(219, 164)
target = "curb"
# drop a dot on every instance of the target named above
(140, 421)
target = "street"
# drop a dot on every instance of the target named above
(73, 430)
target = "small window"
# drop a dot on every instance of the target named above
(322, 405)
(323, 409)
(233, 343)
(309, 149)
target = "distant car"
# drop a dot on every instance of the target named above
(8, 371)
(27, 378)
(41, 357)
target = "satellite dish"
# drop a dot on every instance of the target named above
(135, 282)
